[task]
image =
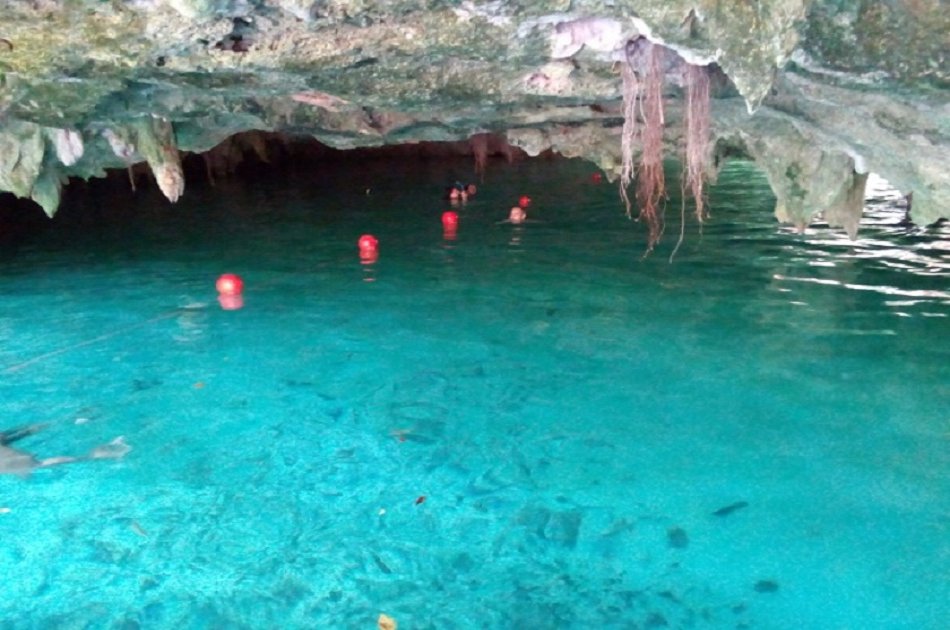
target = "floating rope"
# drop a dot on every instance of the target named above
(24, 364)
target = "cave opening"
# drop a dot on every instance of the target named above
(253, 155)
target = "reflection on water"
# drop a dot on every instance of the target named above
(886, 236)
(898, 259)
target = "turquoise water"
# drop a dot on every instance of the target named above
(754, 436)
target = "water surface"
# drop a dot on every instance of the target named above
(525, 426)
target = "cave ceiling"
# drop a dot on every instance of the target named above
(817, 92)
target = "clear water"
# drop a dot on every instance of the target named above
(753, 436)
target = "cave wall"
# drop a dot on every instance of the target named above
(818, 92)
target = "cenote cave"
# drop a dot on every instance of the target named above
(460, 314)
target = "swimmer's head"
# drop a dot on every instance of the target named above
(470, 189)
(517, 215)
(453, 193)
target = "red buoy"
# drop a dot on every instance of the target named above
(368, 256)
(450, 219)
(596, 178)
(368, 243)
(524, 201)
(229, 284)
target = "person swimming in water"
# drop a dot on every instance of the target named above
(22, 463)
(517, 215)
(460, 192)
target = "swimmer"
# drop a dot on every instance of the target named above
(517, 215)
(15, 461)
(456, 193)
(460, 191)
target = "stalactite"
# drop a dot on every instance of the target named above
(120, 143)
(207, 159)
(123, 148)
(156, 141)
(68, 145)
(479, 146)
(505, 148)
(48, 187)
(22, 151)
(222, 159)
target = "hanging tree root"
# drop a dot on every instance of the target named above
(697, 135)
(479, 146)
(644, 122)
(697, 120)
(631, 94)
(651, 183)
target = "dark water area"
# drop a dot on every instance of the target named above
(508, 426)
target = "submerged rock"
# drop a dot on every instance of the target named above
(677, 538)
(766, 586)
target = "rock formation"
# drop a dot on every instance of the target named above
(817, 92)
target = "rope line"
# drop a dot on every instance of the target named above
(23, 364)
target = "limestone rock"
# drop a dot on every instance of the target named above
(156, 141)
(21, 156)
(853, 87)
(68, 144)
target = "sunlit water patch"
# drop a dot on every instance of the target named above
(527, 426)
